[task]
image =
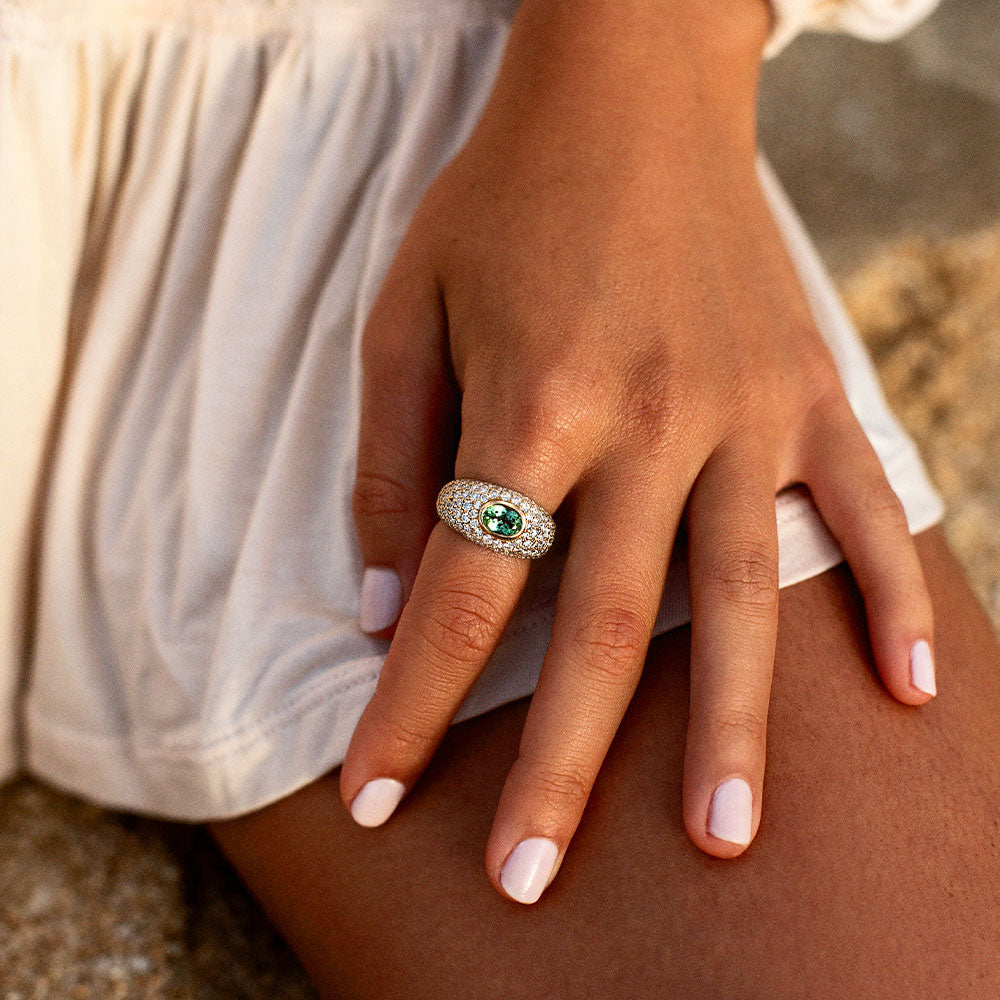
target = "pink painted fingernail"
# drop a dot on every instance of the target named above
(922, 668)
(381, 598)
(730, 816)
(377, 801)
(528, 869)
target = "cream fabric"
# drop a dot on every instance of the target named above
(877, 20)
(198, 201)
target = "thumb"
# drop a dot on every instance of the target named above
(407, 438)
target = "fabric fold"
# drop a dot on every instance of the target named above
(875, 20)
(201, 199)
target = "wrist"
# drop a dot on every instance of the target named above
(737, 30)
(733, 29)
(655, 63)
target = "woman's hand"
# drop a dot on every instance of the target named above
(596, 281)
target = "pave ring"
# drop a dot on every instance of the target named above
(495, 517)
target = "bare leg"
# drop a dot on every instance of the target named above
(876, 872)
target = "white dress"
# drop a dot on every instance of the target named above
(198, 201)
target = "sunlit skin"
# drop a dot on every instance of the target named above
(874, 876)
(599, 267)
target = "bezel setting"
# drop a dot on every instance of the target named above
(505, 503)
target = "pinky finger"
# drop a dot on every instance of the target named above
(864, 514)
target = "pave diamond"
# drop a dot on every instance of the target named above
(495, 517)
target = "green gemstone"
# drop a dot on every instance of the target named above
(501, 519)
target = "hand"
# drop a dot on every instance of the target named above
(596, 281)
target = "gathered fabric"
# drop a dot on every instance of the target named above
(199, 200)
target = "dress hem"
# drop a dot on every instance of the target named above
(241, 772)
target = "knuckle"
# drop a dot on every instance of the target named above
(402, 736)
(658, 399)
(402, 740)
(747, 577)
(547, 447)
(561, 394)
(548, 417)
(377, 494)
(823, 401)
(739, 723)
(880, 502)
(554, 408)
(612, 639)
(564, 788)
(461, 625)
(822, 381)
(819, 381)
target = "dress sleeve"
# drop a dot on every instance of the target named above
(877, 20)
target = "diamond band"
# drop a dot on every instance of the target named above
(495, 517)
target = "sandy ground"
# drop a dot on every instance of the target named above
(891, 153)
(930, 314)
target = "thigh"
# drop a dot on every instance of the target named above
(874, 874)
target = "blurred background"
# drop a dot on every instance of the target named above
(892, 155)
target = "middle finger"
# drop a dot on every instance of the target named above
(733, 573)
(608, 599)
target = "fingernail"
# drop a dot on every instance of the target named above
(527, 871)
(377, 801)
(922, 668)
(381, 598)
(730, 816)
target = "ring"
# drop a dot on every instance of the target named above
(496, 517)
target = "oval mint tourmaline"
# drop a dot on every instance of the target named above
(501, 519)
